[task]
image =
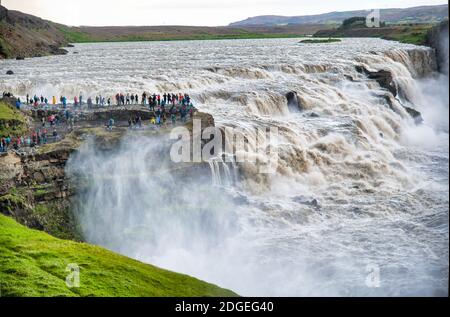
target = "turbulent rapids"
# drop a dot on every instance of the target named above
(361, 182)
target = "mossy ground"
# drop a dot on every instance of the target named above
(410, 35)
(33, 263)
(12, 122)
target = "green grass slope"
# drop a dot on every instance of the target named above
(33, 264)
(410, 34)
(12, 122)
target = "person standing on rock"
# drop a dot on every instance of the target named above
(55, 135)
(44, 136)
(151, 105)
(8, 142)
(110, 124)
(158, 117)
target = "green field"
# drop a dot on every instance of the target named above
(74, 36)
(33, 264)
(409, 34)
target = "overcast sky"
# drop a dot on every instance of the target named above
(188, 12)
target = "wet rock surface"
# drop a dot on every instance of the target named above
(293, 101)
(383, 77)
(416, 115)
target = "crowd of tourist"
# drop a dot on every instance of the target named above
(167, 107)
(40, 136)
(36, 138)
(120, 99)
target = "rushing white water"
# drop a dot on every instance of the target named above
(358, 182)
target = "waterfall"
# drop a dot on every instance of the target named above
(359, 181)
(223, 171)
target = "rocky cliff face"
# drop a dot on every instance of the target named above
(35, 191)
(23, 35)
(437, 38)
(34, 186)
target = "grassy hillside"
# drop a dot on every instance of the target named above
(411, 34)
(23, 35)
(33, 263)
(12, 122)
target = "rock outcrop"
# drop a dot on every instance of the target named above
(23, 35)
(416, 115)
(293, 101)
(437, 38)
(36, 192)
(383, 77)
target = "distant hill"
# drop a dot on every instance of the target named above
(24, 35)
(422, 14)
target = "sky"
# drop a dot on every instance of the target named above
(188, 12)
